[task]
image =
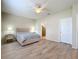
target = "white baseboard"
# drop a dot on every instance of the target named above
(74, 47)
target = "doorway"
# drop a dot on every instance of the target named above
(43, 32)
(66, 30)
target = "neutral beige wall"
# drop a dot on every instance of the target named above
(15, 22)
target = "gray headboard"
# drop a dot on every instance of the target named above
(22, 29)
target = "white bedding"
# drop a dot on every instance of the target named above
(27, 37)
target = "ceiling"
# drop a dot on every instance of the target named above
(25, 8)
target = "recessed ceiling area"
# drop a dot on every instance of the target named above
(25, 8)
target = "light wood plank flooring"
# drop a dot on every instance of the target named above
(74, 54)
(43, 49)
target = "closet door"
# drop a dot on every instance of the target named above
(66, 30)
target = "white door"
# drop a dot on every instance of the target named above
(66, 30)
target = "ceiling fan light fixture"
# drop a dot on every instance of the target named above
(38, 10)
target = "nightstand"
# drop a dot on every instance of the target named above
(9, 38)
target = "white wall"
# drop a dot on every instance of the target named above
(75, 25)
(52, 24)
(13, 21)
(38, 27)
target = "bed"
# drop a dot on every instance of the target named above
(25, 37)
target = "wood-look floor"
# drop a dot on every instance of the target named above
(44, 49)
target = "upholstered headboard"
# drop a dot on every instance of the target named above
(22, 29)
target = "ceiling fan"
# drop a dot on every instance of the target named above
(40, 7)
